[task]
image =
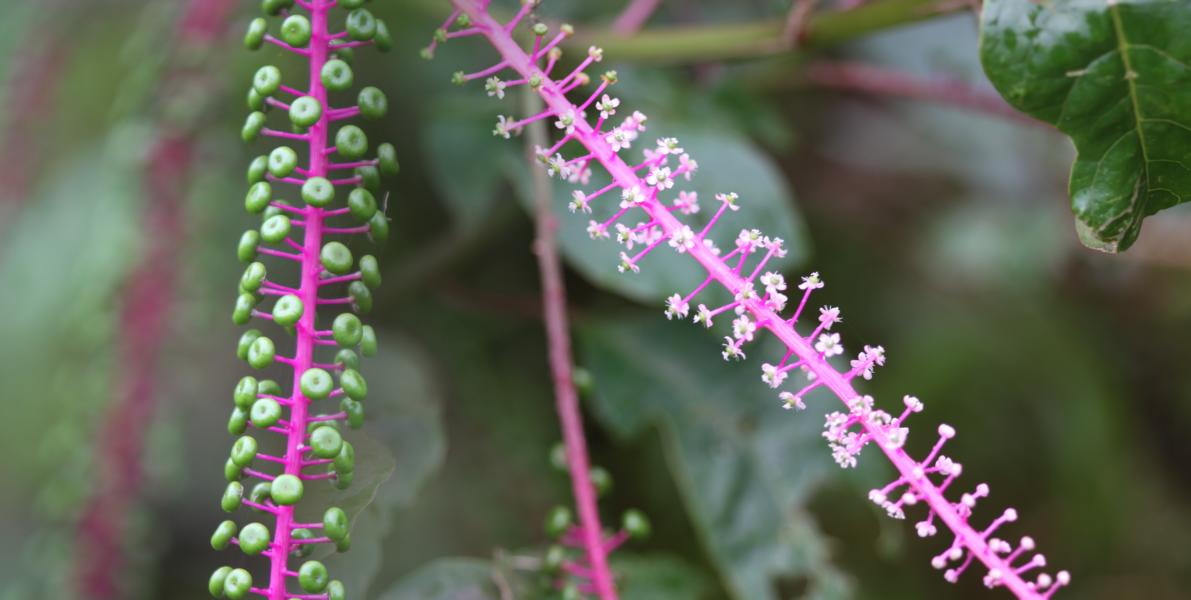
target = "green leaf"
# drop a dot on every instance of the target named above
(647, 577)
(447, 579)
(744, 466)
(467, 164)
(1114, 76)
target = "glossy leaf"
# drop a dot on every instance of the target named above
(1115, 77)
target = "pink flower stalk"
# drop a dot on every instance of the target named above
(310, 434)
(759, 296)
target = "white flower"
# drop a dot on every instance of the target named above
(687, 166)
(635, 122)
(776, 301)
(912, 403)
(828, 316)
(711, 247)
(746, 293)
(675, 307)
(557, 165)
(844, 457)
(503, 124)
(744, 328)
(748, 240)
(683, 239)
(811, 282)
(703, 316)
(810, 375)
(789, 401)
(829, 345)
(579, 202)
(729, 199)
(566, 122)
(687, 203)
(660, 178)
(732, 349)
(607, 106)
(631, 197)
(669, 146)
(618, 139)
(895, 437)
(625, 236)
(861, 405)
(925, 529)
(495, 87)
(596, 231)
(894, 511)
(596, 53)
(775, 246)
(773, 282)
(627, 264)
(772, 375)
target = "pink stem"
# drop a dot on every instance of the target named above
(634, 16)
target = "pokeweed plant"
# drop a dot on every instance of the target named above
(335, 167)
(758, 297)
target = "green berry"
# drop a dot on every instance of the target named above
(288, 310)
(316, 384)
(369, 178)
(345, 54)
(246, 249)
(255, 101)
(237, 424)
(245, 343)
(274, 209)
(287, 490)
(336, 75)
(335, 523)
(223, 535)
(368, 341)
(261, 492)
(305, 111)
(353, 384)
(275, 229)
(350, 142)
(387, 155)
(257, 169)
(273, 7)
(555, 556)
(383, 39)
(336, 258)
(252, 126)
(378, 227)
(243, 310)
(253, 276)
(258, 197)
(237, 584)
(326, 442)
(216, 584)
(256, 34)
(318, 191)
(361, 25)
(347, 330)
(295, 30)
(270, 387)
(636, 524)
(343, 480)
(345, 461)
(267, 80)
(558, 521)
(266, 412)
(312, 576)
(335, 590)
(261, 353)
(282, 161)
(232, 495)
(583, 380)
(302, 550)
(372, 102)
(558, 457)
(540, 29)
(370, 271)
(362, 204)
(361, 297)
(355, 412)
(344, 544)
(244, 450)
(601, 480)
(246, 390)
(232, 471)
(347, 358)
(254, 538)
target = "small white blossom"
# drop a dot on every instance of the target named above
(773, 282)
(789, 401)
(495, 87)
(596, 53)
(687, 166)
(557, 165)
(596, 231)
(775, 246)
(687, 203)
(895, 437)
(828, 316)
(503, 124)
(861, 405)
(711, 247)
(773, 375)
(631, 197)
(625, 236)
(660, 178)
(669, 146)
(635, 122)
(811, 282)
(618, 139)
(829, 345)
(683, 239)
(703, 316)
(730, 200)
(912, 403)
(627, 264)
(776, 301)
(607, 106)
(743, 328)
(566, 122)
(748, 240)
(675, 307)
(579, 202)
(925, 529)
(732, 349)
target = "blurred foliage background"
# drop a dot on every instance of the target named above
(944, 235)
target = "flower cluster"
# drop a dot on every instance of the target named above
(646, 188)
(338, 170)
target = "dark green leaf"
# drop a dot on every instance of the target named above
(447, 579)
(1115, 77)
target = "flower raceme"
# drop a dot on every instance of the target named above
(590, 136)
(310, 434)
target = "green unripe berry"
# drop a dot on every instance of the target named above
(336, 258)
(244, 450)
(313, 577)
(540, 29)
(368, 341)
(378, 227)
(558, 521)
(362, 204)
(275, 229)
(266, 412)
(305, 111)
(261, 353)
(237, 424)
(345, 461)
(223, 535)
(370, 271)
(274, 7)
(636, 524)
(246, 390)
(369, 178)
(583, 380)
(343, 480)
(254, 538)
(355, 412)
(347, 358)
(344, 544)
(215, 584)
(267, 80)
(345, 54)
(287, 490)
(555, 556)
(256, 34)
(270, 387)
(253, 277)
(246, 249)
(232, 471)
(252, 126)
(558, 457)
(387, 155)
(372, 102)
(288, 310)
(353, 384)
(335, 523)
(282, 161)
(274, 209)
(361, 25)
(258, 197)
(295, 30)
(257, 169)
(318, 191)
(361, 297)
(336, 75)
(326, 442)
(335, 590)
(237, 584)
(261, 492)
(243, 310)
(383, 39)
(601, 480)
(232, 495)
(347, 330)
(302, 550)
(245, 343)
(254, 100)
(316, 384)
(350, 142)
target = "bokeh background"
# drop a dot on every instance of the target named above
(942, 233)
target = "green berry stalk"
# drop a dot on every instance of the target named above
(326, 388)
